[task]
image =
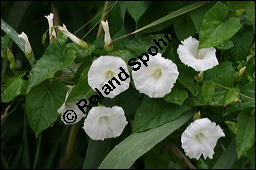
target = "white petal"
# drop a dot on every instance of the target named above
(105, 122)
(70, 112)
(200, 137)
(201, 60)
(28, 48)
(158, 78)
(98, 75)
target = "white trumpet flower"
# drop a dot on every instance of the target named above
(52, 33)
(70, 112)
(28, 49)
(109, 76)
(200, 137)
(158, 78)
(199, 60)
(105, 122)
(74, 38)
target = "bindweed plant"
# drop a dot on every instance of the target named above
(128, 84)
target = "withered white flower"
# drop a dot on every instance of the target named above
(28, 49)
(199, 60)
(105, 122)
(158, 78)
(52, 33)
(74, 38)
(70, 112)
(107, 39)
(109, 76)
(200, 137)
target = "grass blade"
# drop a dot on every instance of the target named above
(13, 34)
(137, 144)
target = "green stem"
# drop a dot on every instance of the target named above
(37, 150)
(70, 145)
(104, 12)
(99, 20)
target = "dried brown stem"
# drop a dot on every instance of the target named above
(180, 155)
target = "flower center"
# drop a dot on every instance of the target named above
(158, 73)
(200, 136)
(109, 74)
(200, 54)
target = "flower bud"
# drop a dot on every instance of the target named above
(52, 33)
(28, 49)
(11, 59)
(240, 72)
(107, 39)
(74, 38)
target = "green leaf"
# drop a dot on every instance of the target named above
(231, 97)
(137, 144)
(217, 99)
(181, 30)
(96, 152)
(42, 103)
(186, 78)
(250, 10)
(215, 30)
(174, 14)
(81, 90)
(137, 8)
(13, 34)
(222, 74)
(155, 159)
(122, 9)
(245, 136)
(129, 100)
(228, 157)
(235, 5)
(251, 154)
(159, 12)
(246, 101)
(155, 112)
(242, 42)
(14, 86)
(142, 45)
(197, 15)
(208, 89)
(225, 45)
(4, 42)
(126, 55)
(81, 51)
(176, 96)
(55, 58)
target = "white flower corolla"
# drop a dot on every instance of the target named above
(104, 122)
(28, 49)
(109, 76)
(200, 137)
(107, 38)
(74, 38)
(70, 112)
(158, 78)
(52, 33)
(199, 60)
